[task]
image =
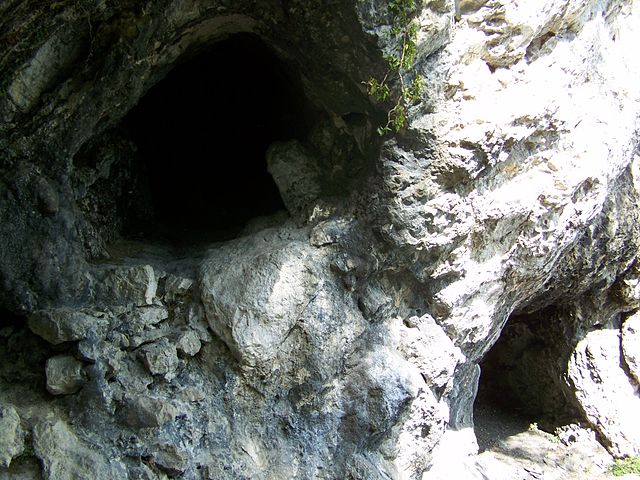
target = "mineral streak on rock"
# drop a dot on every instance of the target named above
(212, 266)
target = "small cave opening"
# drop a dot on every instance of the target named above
(521, 381)
(201, 135)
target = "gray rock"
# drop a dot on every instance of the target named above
(146, 411)
(11, 435)
(65, 375)
(63, 455)
(340, 339)
(255, 290)
(65, 324)
(296, 174)
(176, 288)
(160, 358)
(133, 286)
(171, 459)
(189, 343)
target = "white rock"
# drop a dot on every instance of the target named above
(608, 397)
(631, 344)
(189, 343)
(254, 291)
(294, 171)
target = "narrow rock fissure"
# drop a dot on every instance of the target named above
(201, 135)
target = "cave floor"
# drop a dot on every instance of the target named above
(515, 449)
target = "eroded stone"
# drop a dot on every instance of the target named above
(11, 435)
(147, 411)
(65, 324)
(631, 345)
(64, 455)
(608, 397)
(65, 375)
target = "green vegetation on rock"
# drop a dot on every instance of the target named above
(401, 59)
(626, 466)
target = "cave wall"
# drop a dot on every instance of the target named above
(338, 334)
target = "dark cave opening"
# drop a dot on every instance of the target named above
(201, 134)
(521, 381)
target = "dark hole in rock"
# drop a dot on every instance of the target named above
(521, 381)
(202, 133)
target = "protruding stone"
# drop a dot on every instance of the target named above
(145, 411)
(129, 286)
(176, 287)
(161, 357)
(254, 292)
(65, 375)
(295, 172)
(11, 435)
(64, 325)
(171, 459)
(605, 393)
(64, 456)
(189, 343)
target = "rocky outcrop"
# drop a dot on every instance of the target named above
(340, 338)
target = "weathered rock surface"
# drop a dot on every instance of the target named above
(64, 455)
(63, 325)
(631, 345)
(347, 336)
(609, 398)
(65, 375)
(11, 435)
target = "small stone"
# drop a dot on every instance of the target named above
(171, 459)
(192, 394)
(48, 200)
(145, 411)
(148, 316)
(65, 375)
(11, 435)
(176, 287)
(129, 286)
(189, 343)
(161, 358)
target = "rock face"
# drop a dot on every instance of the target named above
(146, 332)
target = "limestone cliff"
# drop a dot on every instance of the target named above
(213, 267)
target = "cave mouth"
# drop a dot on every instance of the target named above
(201, 135)
(521, 380)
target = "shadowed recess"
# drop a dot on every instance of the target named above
(202, 133)
(522, 380)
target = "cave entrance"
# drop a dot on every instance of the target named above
(521, 380)
(201, 134)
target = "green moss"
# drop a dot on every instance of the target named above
(626, 466)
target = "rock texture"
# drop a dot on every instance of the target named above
(11, 435)
(341, 338)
